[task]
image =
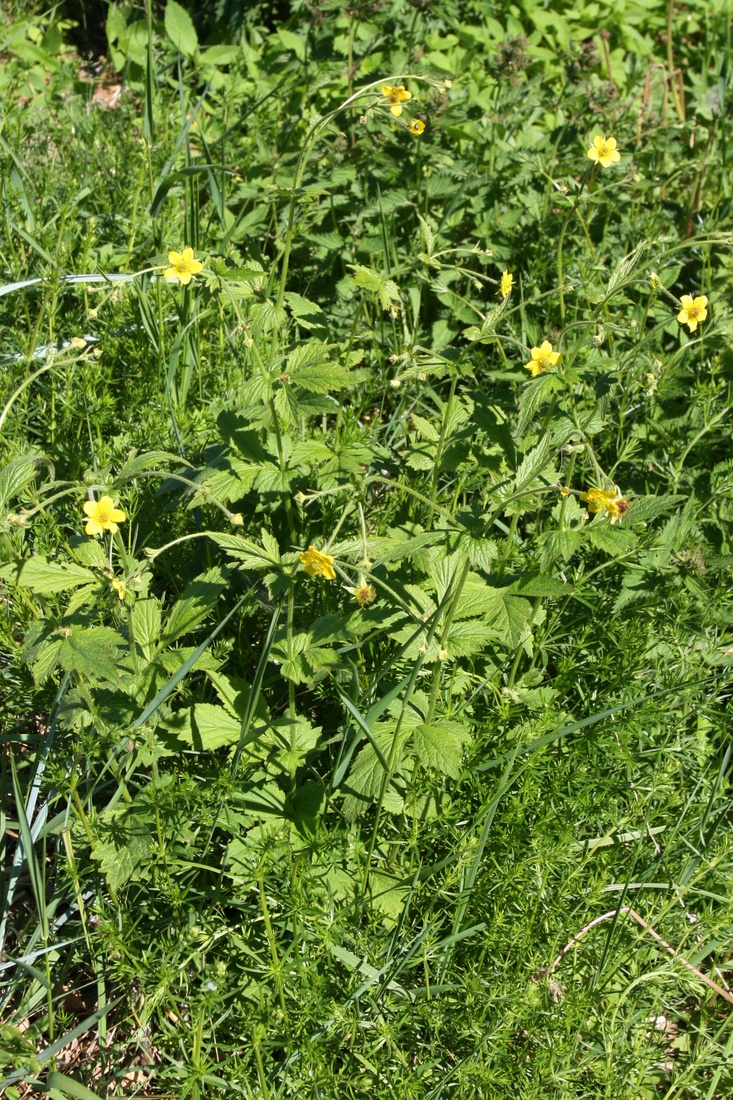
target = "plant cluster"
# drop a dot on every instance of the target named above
(365, 521)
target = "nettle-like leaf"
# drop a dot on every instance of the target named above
(89, 552)
(509, 617)
(125, 834)
(534, 395)
(18, 475)
(385, 289)
(611, 539)
(46, 578)
(91, 651)
(295, 739)
(310, 367)
(559, 545)
(248, 553)
(195, 603)
(439, 745)
(311, 652)
(307, 314)
(229, 478)
(367, 774)
(267, 316)
(146, 621)
(206, 727)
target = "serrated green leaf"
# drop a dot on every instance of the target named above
(16, 476)
(146, 621)
(211, 727)
(560, 545)
(92, 652)
(302, 307)
(610, 539)
(45, 577)
(509, 617)
(194, 605)
(439, 745)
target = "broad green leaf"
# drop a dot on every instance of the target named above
(211, 727)
(92, 652)
(610, 539)
(560, 545)
(16, 476)
(292, 42)
(146, 621)
(532, 465)
(364, 781)
(45, 577)
(649, 507)
(90, 552)
(439, 745)
(180, 29)
(386, 289)
(304, 805)
(122, 846)
(509, 617)
(194, 605)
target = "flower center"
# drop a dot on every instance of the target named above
(693, 313)
(102, 515)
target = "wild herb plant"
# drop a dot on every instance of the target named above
(365, 520)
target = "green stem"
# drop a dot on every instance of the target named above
(439, 448)
(561, 239)
(508, 543)
(276, 966)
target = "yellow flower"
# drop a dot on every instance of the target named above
(317, 564)
(396, 97)
(602, 500)
(417, 127)
(542, 359)
(604, 152)
(102, 516)
(78, 343)
(183, 266)
(693, 311)
(119, 588)
(507, 281)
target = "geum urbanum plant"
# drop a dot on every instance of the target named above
(389, 584)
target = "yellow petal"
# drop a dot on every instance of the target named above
(174, 258)
(687, 301)
(184, 278)
(117, 515)
(396, 109)
(545, 348)
(187, 255)
(700, 302)
(90, 507)
(93, 528)
(195, 266)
